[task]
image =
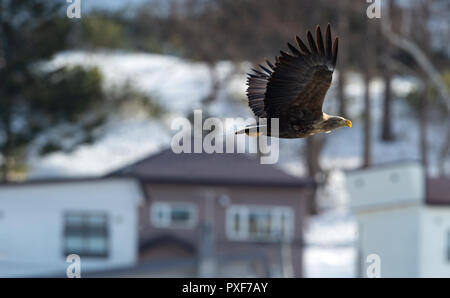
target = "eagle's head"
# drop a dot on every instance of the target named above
(330, 123)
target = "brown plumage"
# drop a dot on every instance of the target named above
(293, 90)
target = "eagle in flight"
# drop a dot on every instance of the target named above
(293, 90)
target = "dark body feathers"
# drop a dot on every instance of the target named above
(294, 89)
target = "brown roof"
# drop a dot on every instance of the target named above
(438, 191)
(203, 168)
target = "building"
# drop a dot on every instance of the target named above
(42, 222)
(219, 215)
(168, 215)
(404, 218)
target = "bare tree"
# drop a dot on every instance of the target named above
(343, 29)
(367, 158)
(386, 130)
(423, 121)
(400, 40)
(368, 72)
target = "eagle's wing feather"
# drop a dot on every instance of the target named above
(256, 90)
(297, 84)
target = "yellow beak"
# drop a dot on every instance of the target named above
(348, 123)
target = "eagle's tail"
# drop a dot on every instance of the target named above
(252, 131)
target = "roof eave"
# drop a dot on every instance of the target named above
(305, 183)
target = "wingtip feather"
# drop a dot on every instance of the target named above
(312, 43)
(335, 50)
(328, 40)
(319, 41)
(302, 46)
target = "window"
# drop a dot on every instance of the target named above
(86, 234)
(175, 215)
(260, 223)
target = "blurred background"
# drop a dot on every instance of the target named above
(86, 106)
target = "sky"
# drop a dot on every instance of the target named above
(109, 4)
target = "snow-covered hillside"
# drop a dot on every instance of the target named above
(178, 86)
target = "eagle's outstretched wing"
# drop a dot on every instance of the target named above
(297, 84)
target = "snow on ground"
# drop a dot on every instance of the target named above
(331, 262)
(330, 241)
(131, 140)
(331, 237)
(179, 85)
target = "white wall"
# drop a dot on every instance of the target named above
(32, 217)
(388, 201)
(435, 237)
(386, 185)
(393, 234)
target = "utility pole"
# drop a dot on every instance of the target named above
(207, 254)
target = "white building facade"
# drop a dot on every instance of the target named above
(397, 222)
(41, 223)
